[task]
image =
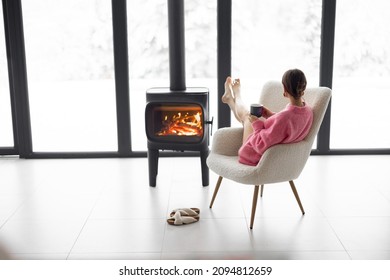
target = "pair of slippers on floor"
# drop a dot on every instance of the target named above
(183, 216)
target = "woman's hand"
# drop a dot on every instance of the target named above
(267, 113)
(253, 118)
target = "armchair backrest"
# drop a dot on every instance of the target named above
(318, 98)
(272, 96)
(285, 162)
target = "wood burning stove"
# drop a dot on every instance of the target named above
(177, 121)
(177, 118)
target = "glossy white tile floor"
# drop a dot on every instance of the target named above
(105, 209)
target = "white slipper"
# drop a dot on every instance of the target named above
(178, 219)
(193, 212)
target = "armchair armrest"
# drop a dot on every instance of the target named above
(227, 141)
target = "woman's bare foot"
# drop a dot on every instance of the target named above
(240, 109)
(236, 88)
(227, 97)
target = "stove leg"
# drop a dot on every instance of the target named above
(153, 166)
(205, 170)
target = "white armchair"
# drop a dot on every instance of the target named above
(282, 162)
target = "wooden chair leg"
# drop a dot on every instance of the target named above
(297, 196)
(254, 204)
(216, 190)
(261, 190)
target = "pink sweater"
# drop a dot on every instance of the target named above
(289, 125)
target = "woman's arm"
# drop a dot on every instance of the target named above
(268, 133)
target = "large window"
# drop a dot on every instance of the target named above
(73, 89)
(270, 37)
(70, 69)
(149, 56)
(6, 134)
(361, 83)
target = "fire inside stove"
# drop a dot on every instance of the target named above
(180, 120)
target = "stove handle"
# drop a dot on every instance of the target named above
(211, 122)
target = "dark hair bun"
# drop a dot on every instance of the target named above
(294, 82)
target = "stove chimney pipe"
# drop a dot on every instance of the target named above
(176, 44)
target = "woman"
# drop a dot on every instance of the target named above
(287, 126)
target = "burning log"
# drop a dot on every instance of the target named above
(187, 125)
